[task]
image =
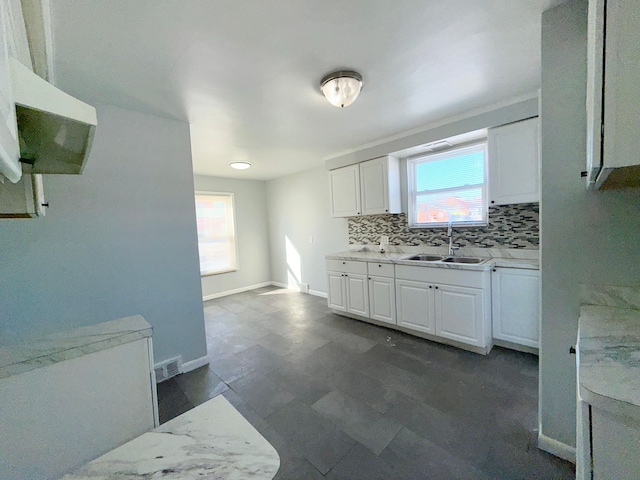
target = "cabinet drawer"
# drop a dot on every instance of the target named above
(347, 266)
(446, 276)
(381, 269)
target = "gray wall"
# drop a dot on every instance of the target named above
(118, 240)
(298, 207)
(586, 237)
(251, 229)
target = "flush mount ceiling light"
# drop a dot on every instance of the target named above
(240, 165)
(341, 88)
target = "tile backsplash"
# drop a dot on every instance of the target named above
(510, 226)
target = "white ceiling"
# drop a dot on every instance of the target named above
(245, 73)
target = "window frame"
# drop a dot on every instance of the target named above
(231, 195)
(412, 194)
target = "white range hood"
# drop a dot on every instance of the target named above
(55, 130)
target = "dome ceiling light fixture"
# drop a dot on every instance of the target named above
(240, 165)
(341, 88)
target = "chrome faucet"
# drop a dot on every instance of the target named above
(452, 248)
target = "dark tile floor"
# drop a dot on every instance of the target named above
(342, 399)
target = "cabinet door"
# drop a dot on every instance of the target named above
(382, 299)
(516, 305)
(345, 191)
(336, 297)
(415, 305)
(459, 314)
(615, 444)
(374, 186)
(514, 163)
(357, 294)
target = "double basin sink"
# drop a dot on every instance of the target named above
(438, 258)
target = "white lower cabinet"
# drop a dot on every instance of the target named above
(348, 286)
(415, 306)
(382, 299)
(516, 305)
(460, 314)
(447, 305)
(357, 289)
(382, 292)
(337, 295)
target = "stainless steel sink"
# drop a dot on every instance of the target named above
(425, 258)
(473, 260)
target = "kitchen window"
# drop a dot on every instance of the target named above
(216, 233)
(448, 187)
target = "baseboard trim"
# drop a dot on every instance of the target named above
(236, 290)
(557, 448)
(260, 285)
(193, 364)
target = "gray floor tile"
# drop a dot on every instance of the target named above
(360, 421)
(261, 393)
(201, 385)
(418, 458)
(261, 359)
(371, 391)
(293, 465)
(229, 367)
(277, 344)
(301, 385)
(315, 437)
(362, 464)
(465, 414)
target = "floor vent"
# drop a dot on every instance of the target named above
(168, 368)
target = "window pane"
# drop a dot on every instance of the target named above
(458, 206)
(457, 171)
(216, 233)
(448, 186)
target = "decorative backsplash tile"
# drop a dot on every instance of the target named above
(510, 226)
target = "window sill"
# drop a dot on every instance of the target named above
(209, 274)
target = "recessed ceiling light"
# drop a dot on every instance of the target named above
(240, 165)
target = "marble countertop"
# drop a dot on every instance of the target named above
(609, 358)
(508, 258)
(45, 350)
(212, 440)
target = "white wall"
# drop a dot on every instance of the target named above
(251, 229)
(118, 240)
(298, 208)
(586, 237)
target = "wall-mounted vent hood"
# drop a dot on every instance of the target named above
(55, 129)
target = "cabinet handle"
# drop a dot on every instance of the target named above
(344, 263)
(493, 201)
(369, 278)
(583, 174)
(494, 270)
(572, 350)
(379, 266)
(45, 204)
(436, 287)
(430, 286)
(386, 210)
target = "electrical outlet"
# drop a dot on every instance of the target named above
(384, 239)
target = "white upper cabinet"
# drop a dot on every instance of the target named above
(514, 163)
(613, 94)
(345, 191)
(368, 188)
(380, 186)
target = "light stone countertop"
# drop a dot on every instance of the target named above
(38, 352)
(212, 440)
(509, 258)
(609, 355)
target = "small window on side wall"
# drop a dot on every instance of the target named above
(216, 233)
(448, 187)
